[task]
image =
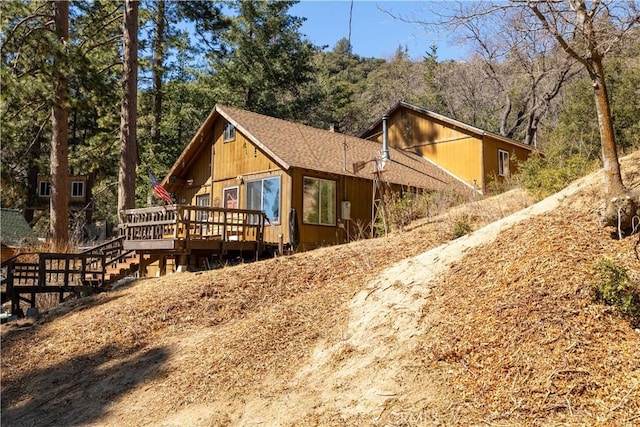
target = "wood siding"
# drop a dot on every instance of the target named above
(470, 156)
(491, 147)
(222, 164)
(453, 149)
(358, 191)
(212, 165)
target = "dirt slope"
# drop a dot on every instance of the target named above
(493, 328)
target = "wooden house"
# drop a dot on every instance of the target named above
(80, 200)
(316, 187)
(78, 191)
(472, 155)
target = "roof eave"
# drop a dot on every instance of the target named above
(476, 131)
(187, 152)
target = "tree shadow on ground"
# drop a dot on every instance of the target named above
(13, 331)
(80, 390)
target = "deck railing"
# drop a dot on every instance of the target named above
(36, 273)
(192, 223)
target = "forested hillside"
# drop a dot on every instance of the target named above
(253, 55)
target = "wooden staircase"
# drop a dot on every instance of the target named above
(121, 268)
(28, 275)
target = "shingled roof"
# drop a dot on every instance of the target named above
(14, 229)
(295, 145)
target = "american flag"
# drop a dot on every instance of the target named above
(159, 189)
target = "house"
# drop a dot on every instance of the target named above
(15, 233)
(80, 200)
(474, 156)
(316, 187)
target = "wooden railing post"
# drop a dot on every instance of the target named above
(65, 280)
(41, 270)
(224, 226)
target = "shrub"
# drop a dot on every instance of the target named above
(461, 227)
(398, 211)
(543, 176)
(615, 288)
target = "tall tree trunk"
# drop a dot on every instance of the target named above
(128, 142)
(611, 164)
(59, 207)
(33, 170)
(158, 69)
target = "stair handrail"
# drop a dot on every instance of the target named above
(99, 249)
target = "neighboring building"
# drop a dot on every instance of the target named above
(316, 187)
(472, 155)
(80, 200)
(79, 192)
(15, 233)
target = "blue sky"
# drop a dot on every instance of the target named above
(373, 32)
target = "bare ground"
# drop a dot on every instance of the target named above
(494, 328)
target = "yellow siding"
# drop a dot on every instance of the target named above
(238, 157)
(516, 154)
(462, 158)
(355, 190)
(455, 150)
(235, 163)
(471, 157)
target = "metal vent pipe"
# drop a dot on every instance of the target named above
(385, 138)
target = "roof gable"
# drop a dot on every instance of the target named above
(453, 123)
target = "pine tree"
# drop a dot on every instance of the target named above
(128, 125)
(267, 61)
(59, 208)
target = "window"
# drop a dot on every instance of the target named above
(319, 201)
(230, 198)
(202, 200)
(45, 189)
(264, 195)
(503, 163)
(229, 132)
(77, 189)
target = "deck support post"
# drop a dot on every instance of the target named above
(182, 264)
(162, 265)
(144, 263)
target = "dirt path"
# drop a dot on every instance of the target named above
(360, 373)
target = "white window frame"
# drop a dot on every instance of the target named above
(77, 184)
(503, 163)
(203, 200)
(319, 203)
(229, 132)
(44, 189)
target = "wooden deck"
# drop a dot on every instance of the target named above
(190, 232)
(186, 234)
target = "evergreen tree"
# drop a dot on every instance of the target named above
(28, 76)
(340, 77)
(267, 60)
